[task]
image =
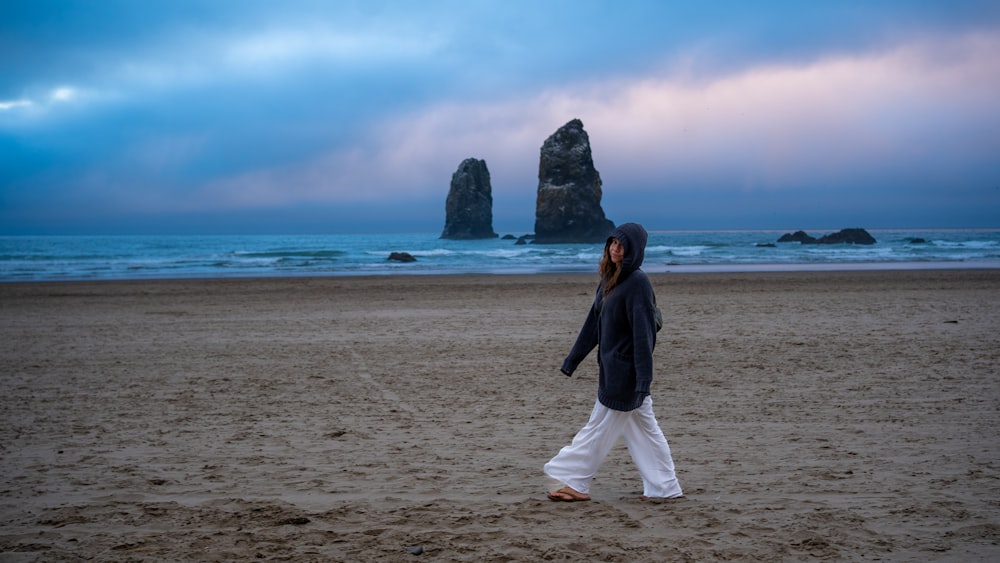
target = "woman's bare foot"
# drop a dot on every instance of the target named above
(568, 494)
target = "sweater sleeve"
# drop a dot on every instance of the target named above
(585, 341)
(642, 313)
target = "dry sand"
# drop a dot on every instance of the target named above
(849, 415)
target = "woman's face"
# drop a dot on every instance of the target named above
(617, 251)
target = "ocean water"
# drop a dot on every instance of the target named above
(47, 258)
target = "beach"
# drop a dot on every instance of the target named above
(811, 415)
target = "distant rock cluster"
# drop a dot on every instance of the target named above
(568, 204)
(843, 236)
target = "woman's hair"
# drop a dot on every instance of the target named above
(608, 269)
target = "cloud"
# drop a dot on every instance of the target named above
(346, 47)
(63, 94)
(887, 115)
(57, 95)
(6, 105)
(780, 127)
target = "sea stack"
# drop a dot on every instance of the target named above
(469, 207)
(568, 208)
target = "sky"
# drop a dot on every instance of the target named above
(261, 117)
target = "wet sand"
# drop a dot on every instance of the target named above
(839, 415)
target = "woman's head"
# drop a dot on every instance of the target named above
(623, 253)
(611, 263)
(615, 250)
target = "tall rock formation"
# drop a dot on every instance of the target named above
(568, 208)
(469, 207)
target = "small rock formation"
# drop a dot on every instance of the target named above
(797, 236)
(843, 236)
(847, 236)
(402, 257)
(469, 207)
(568, 208)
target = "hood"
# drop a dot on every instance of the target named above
(633, 237)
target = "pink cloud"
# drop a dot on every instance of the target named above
(767, 127)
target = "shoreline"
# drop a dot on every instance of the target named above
(652, 270)
(839, 415)
(419, 279)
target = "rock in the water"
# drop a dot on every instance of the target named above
(402, 257)
(847, 236)
(797, 236)
(568, 208)
(469, 207)
(843, 236)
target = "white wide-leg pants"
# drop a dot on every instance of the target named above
(576, 464)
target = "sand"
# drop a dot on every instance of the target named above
(838, 415)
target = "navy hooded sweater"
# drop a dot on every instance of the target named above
(622, 325)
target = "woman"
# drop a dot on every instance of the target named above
(622, 325)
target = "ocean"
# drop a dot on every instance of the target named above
(53, 258)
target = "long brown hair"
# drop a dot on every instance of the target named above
(609, 270)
